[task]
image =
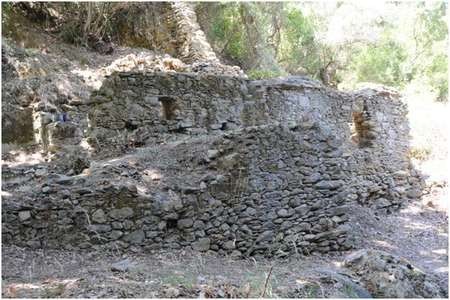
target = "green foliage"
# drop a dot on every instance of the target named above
(431, 55)
(381, 63)
(257, 74)
(299, 29)
(277, 39)
(270, 39)
(226, 32)
(300, 52)
(432, 25)
(437, 74)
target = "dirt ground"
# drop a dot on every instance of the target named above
(74, 274)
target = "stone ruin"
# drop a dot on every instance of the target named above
(222, 163)
(208, 161)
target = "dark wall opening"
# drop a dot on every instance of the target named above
(169, 107)
(362, 129)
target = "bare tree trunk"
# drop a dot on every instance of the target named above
(87, 24)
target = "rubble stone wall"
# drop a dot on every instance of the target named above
(377, 173)
(223, 164)
(271, 190)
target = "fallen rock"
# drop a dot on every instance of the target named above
(136, 237)
(388, 276)
(329, 185)
(185, 223)
(121, 266)
(202, 244)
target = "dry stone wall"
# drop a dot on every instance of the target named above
(270, 190)
(220, 163)
(377, 173)
(131, 104)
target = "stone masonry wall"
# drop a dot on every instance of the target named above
(220, 163)
(129, 108)
(271, 190)
(376, 174)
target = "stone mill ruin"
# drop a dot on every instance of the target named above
(212, 161)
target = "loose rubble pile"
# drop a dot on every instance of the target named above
(388, 276)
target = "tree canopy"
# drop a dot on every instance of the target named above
(339, 43)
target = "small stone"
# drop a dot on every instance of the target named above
(329, 185)
(382, 202)
(302, 209)
(185, 223)
(121, 266)
(225, 227)
(203, 185)
(304, 226)
(132, 188)
(24, 215)
(116, 225)
(171, 216)
(309, 237)
(34, 244)
(212, 154)
(171, 292)
(162, 225)
(229, 245)
(115, 234)
(265, 236)
(41, 172)
(99, 216)
(198, 224)
(284, 213)
(128, 224)
(250, 211)
(122, 213)
(136, 237)
(336, 219)
(313, 178)
(46, 189)
(202, 244)
(85, 245)
(99, 228)
(151, 234)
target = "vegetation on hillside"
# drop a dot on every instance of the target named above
(396, 44)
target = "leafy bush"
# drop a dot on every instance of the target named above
(381, 63)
